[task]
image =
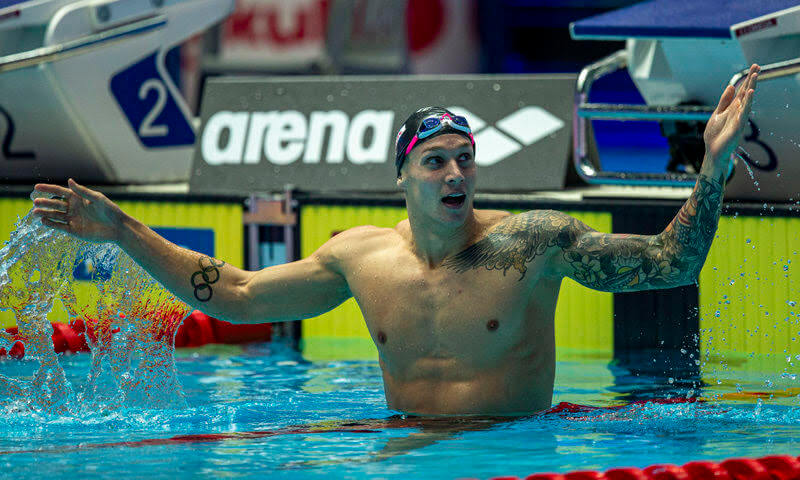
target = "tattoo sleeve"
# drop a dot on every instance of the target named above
(619, 263)
(602, 261)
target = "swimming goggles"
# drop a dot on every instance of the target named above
(431, 125)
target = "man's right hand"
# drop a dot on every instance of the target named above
(80, 211)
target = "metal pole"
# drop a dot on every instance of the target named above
(253, 248)
(288, 230)
(290, 329)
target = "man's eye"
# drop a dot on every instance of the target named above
(434, 160)
(466, 157)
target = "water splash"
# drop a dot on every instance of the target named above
(129, 321)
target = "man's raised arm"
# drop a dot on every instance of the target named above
(674, 257)
(291, 291)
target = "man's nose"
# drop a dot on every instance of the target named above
(454, 174)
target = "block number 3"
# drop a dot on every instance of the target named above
(147, 128)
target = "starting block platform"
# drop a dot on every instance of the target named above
(683, 19)
(680, 55)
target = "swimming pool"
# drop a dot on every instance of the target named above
(328, 419)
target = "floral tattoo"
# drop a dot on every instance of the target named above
(604, 261)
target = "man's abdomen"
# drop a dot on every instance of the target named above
(443, 387)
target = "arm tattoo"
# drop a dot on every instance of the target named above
(603, 261)
(207, 275)
(688, 237)
(617, 263)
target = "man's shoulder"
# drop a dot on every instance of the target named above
(358, 241)
(533, 221)
(365, 234)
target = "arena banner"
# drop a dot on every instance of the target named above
(337, 134)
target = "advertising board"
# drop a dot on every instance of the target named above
(337, 134)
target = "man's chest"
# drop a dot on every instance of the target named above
(413, 311)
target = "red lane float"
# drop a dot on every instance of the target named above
(196, 330)
(567, 407)
(775, 467)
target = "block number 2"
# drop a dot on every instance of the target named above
(147, 129)
(151, 104)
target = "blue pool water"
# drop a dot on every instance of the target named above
(291, 402)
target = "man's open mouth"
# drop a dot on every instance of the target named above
(454, 200)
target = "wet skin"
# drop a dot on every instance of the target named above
(460, 302)
(448, 342)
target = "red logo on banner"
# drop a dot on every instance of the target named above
(426, 21)
(278, 24)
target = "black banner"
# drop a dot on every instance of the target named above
(337, 134)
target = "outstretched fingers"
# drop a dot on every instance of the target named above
(57, 215)
(748, 84)
(53, 189)
(81, 191)
(725, 100)
(51, 203)
(749, 92)
(63, 226)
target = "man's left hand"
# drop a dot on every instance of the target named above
(726, 126)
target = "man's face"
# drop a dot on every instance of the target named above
(438, 178)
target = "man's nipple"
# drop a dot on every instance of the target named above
(381, 338)
(492, 325)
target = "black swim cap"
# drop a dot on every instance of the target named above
(409, 130)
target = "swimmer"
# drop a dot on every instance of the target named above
(459, 302)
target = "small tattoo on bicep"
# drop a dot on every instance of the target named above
(205, 277)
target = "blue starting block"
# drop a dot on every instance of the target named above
(681, 54)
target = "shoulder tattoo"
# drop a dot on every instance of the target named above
(516, 241)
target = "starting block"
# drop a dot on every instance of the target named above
(680, 55)
(84, 90)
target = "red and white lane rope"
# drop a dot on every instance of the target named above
(778, 467)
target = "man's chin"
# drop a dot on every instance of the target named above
(455, 215)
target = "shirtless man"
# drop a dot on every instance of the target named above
(459, 302)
